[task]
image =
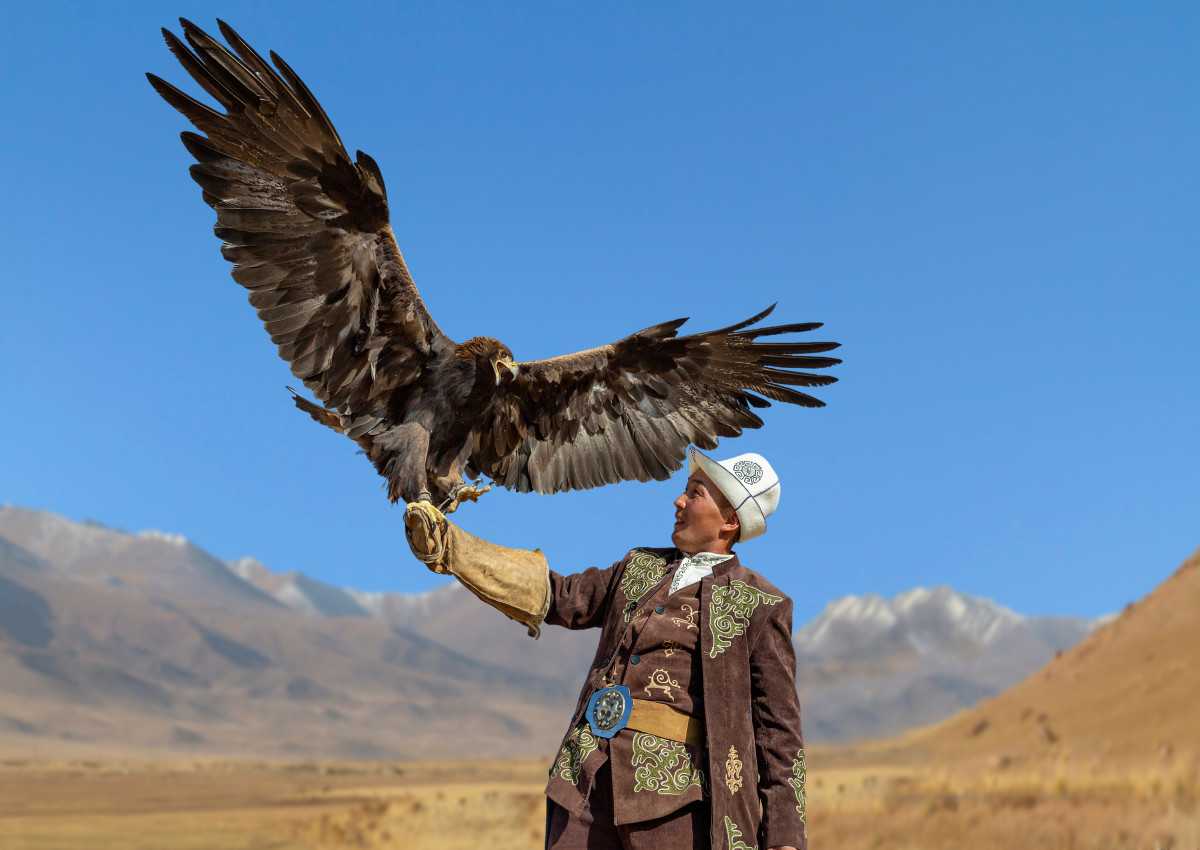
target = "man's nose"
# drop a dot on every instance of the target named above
(679, 503)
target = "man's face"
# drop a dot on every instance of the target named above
(701, 513)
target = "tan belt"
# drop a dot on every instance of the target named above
(658, 718)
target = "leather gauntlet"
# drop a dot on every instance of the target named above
(515, 582)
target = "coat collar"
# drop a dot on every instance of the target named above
(727, 566)
(719, 570)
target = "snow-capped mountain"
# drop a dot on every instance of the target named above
(926, 621)
(154, 562)
(312, 596)
(299, 592)
(870, 666)
(150, 622)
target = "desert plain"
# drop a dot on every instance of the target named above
(858, 798)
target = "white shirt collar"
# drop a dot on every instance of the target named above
(695, 567)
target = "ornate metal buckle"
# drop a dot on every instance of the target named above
(608, 710)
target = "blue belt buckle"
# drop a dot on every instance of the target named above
(608, 710)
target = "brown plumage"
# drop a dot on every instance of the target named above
(307, 231)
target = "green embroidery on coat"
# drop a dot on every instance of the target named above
(641, 573)
(663, 766)
(578, 745)
(733, 836)
(797, 782)
(730, 610)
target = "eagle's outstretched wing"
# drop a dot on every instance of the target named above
(628, 411)
(305, 227)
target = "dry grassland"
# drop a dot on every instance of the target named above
(863, 807)
(225, 805)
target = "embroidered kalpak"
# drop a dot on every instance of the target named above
(663, 766)
(730, 611)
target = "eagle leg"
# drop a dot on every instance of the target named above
(463, 493)
(400, 453)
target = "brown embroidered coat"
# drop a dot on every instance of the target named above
(754, 755)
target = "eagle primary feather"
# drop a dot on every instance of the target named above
(308, 233)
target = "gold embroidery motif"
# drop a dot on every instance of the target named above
(733, 836)
(689, 622)
(661, 680)
(730, 611)
(670, 647)
(641, 573)
(797, 782)
(578, 745)
(663, 766)
(733, 770)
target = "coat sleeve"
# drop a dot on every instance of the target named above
(778, 742)
(580, 600)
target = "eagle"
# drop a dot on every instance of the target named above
(307, 231)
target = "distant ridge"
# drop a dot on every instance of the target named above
(151, 560)
(1126, 695)
(146, 638)
(870, 666)
(145, 642)
(299, 592)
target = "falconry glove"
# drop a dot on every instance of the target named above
(515, 582)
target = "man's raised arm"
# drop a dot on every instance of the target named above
(580, 601)
(517, 582)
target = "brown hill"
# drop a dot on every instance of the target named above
(1128, 695)
(146, 642)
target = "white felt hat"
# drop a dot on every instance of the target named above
(748, 482)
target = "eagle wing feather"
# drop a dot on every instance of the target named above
(628, 411)
(305, 227)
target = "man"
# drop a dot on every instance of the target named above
(687, 731)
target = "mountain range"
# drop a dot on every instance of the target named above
(869, 666)
(1120, 703)
(145, 641)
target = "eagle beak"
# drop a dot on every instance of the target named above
(502, 367)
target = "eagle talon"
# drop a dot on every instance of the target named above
(463, 493)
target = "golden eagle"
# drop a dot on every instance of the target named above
(307, 231)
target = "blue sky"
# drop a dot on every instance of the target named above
(993, 209)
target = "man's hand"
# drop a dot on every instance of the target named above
(425, 528)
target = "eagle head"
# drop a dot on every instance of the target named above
(490, 351)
